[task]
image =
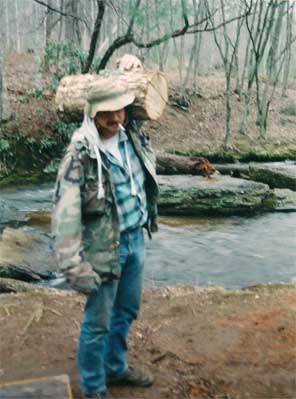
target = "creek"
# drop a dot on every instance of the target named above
(232, 252)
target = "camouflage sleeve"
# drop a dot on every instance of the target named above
(145, 141)
(67, 226)
(66, 215)
(150, 158)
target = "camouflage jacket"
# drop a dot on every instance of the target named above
(86, 229)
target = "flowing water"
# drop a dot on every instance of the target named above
(232, 252)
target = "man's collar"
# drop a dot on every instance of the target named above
(122, 134)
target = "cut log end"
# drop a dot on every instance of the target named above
(149, 87)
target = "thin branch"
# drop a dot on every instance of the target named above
(129, 37)
(217, 26)
(132, 21)
(166, 36)
(56, 10)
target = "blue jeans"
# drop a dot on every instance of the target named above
(108, 315)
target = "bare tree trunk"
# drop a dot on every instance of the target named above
(72, 30)
(194, 55)
(48, 21)
(17, 32)
(290, 13)
(159, 48)
(76, 12)
(1, 87)
(36, 41)
(61, 27)
(177, 54)
(227, 54)
(201, 13)
(259, 38)
(273, 70)
(95, 35)
(5, 112)
(189, 68)
(248, 54)
(5, 15)
(182, 56)
(236, 59)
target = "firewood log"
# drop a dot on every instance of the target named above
(167, 164)
(149, 87)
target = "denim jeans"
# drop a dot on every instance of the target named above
(108, 315)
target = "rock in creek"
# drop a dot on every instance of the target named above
(285, 200)
(9, 214)
(26, 256)
(220, 195)
(276, 176)
(8, 285)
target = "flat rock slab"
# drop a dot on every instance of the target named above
(49, 388)
(220, 195)
(233, 169)
(10, 214)
(275, 175)
(26, 256)
(286, 200)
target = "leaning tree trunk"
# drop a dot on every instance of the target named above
(149, 87)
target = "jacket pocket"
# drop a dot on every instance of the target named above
(90, 203)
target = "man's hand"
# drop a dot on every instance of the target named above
(129, 62)
(152, 224)
(83, 278)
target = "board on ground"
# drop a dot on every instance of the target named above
(41, 388)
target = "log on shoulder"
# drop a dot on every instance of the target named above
(149, 87)
(167, 164)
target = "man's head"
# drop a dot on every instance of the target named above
(108, 122)
(106, 104)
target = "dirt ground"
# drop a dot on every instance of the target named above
(199, 343)
(201, 127)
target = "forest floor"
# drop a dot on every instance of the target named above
(199, 343)
(200, 128)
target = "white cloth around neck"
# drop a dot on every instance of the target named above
(112, 146)
(89, 131)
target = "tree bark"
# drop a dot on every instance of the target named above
(1, 88)
(167, 164)
(72, 33)
(61, 27)
(36, 41)
(289, 48)
(49, 22)
(17, 31)
(95, 35)
(5, 111)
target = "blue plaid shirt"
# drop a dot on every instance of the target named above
(132, 210)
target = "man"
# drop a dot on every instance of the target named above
(105, 193)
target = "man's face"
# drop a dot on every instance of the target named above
(108, 122)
